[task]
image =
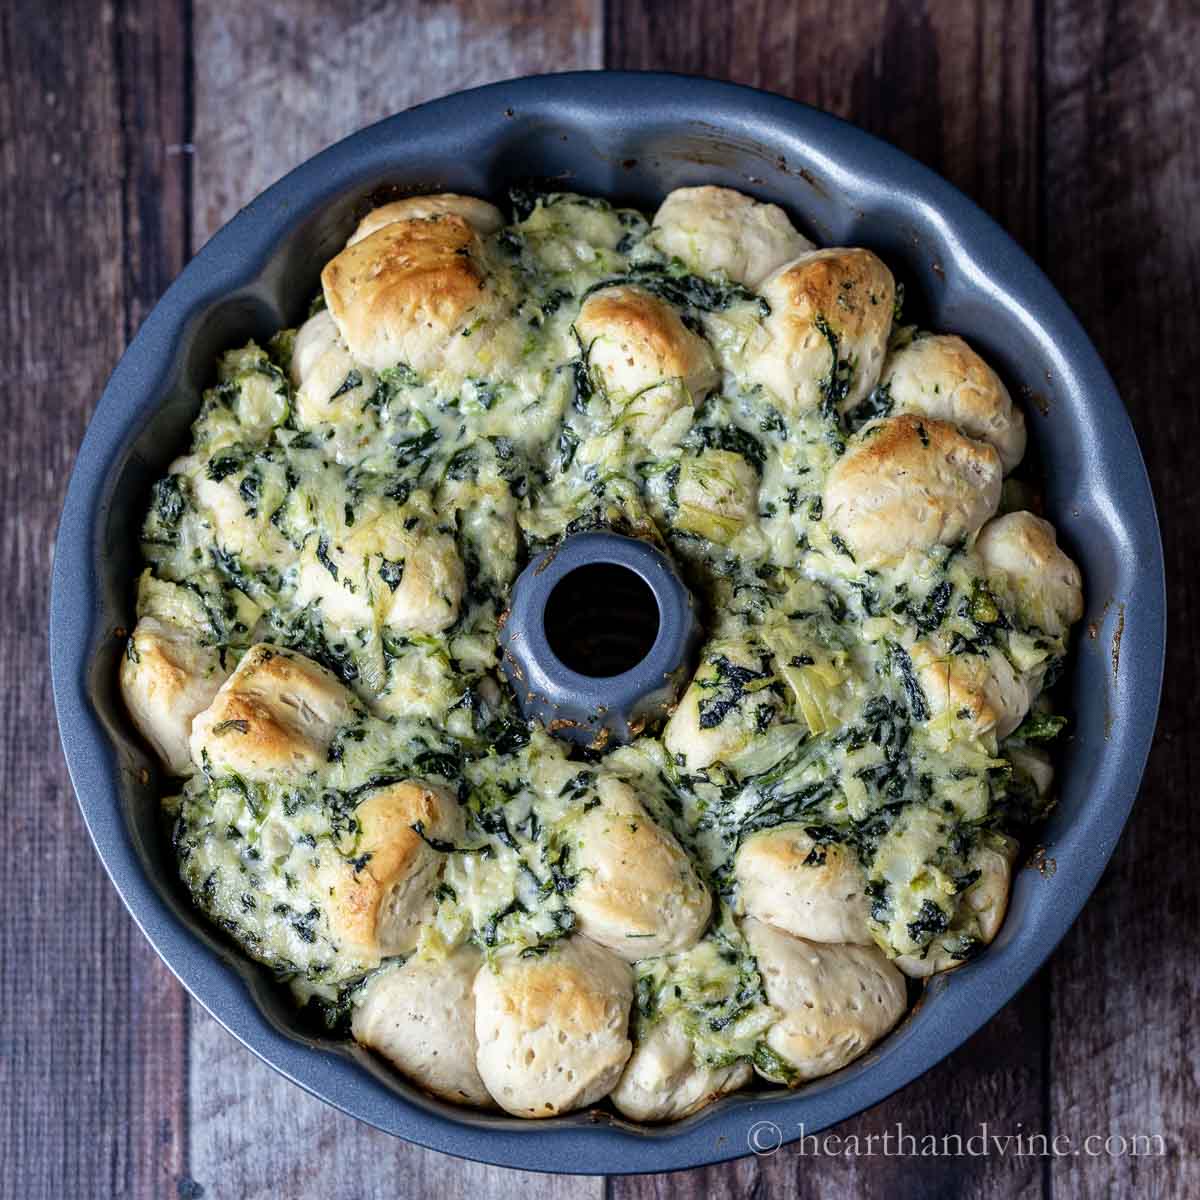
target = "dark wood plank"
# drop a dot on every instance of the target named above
(951, 85)
(274, 84)
(257, 1137)
(1122, 242)
(278, 81)
(92, 1060)
(94, 218)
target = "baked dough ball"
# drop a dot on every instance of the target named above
(328, 381)
(553, 1031)
(850, 292)
(318, 334)
(378, 902)
(907, 483)
(256, 542)
(835, 1001)
(638, 893)
(483, 217)
(1021, 555)
(662, 1081)
(983, 692)
(648, 362)
(429, 595)
(167, 678)
(277, 713)
(715, 230)
(713, 724)
(420, 1016)
(940, 376)
(410, 289)
(815, 891)
(410, 579)
(985, 903)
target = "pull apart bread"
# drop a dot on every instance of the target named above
(835, 799)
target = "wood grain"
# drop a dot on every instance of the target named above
(1122, 241)
(949, 84)
(257, 1137)
(93, 1043)
(129, 131)
(282, 80)
(274, 85)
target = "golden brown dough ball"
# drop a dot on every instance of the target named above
(715, 230)
(836, 1001)
(982, 693)
(167, 678)
(814, 891)
(378, 902)
(276, 714)
(483, 217)
(846, 296)
(940, 376)
(647, 361)
(408, 292)
(638, 893)
(908, 483)
(553, 1030)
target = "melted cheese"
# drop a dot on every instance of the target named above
(375, 521)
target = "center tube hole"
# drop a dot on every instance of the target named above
(601, 620)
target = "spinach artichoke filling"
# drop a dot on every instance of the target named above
(376, 529)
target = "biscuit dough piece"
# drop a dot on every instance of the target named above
(420, 1016)
(394, 568)
(815, 891)
(715, 230)
(836, 1001)
(907, 483)
(483, 217)
(843, 297)
(276, 714)
(378, 901)
(329, 383)
(940, 376)
(692, 737)
(553, 1030)
(407, 293)
(662, 1081)
(1020, 552)
(167, 678)
(981, 691)
(986, 902)
(648, 363)
(638, 892)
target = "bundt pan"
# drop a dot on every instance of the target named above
(633, 138)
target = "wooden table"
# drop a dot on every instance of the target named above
(130, 130)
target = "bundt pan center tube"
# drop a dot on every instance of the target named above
(599, 639)
(632, 138)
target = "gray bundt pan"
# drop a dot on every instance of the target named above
(633, 138)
